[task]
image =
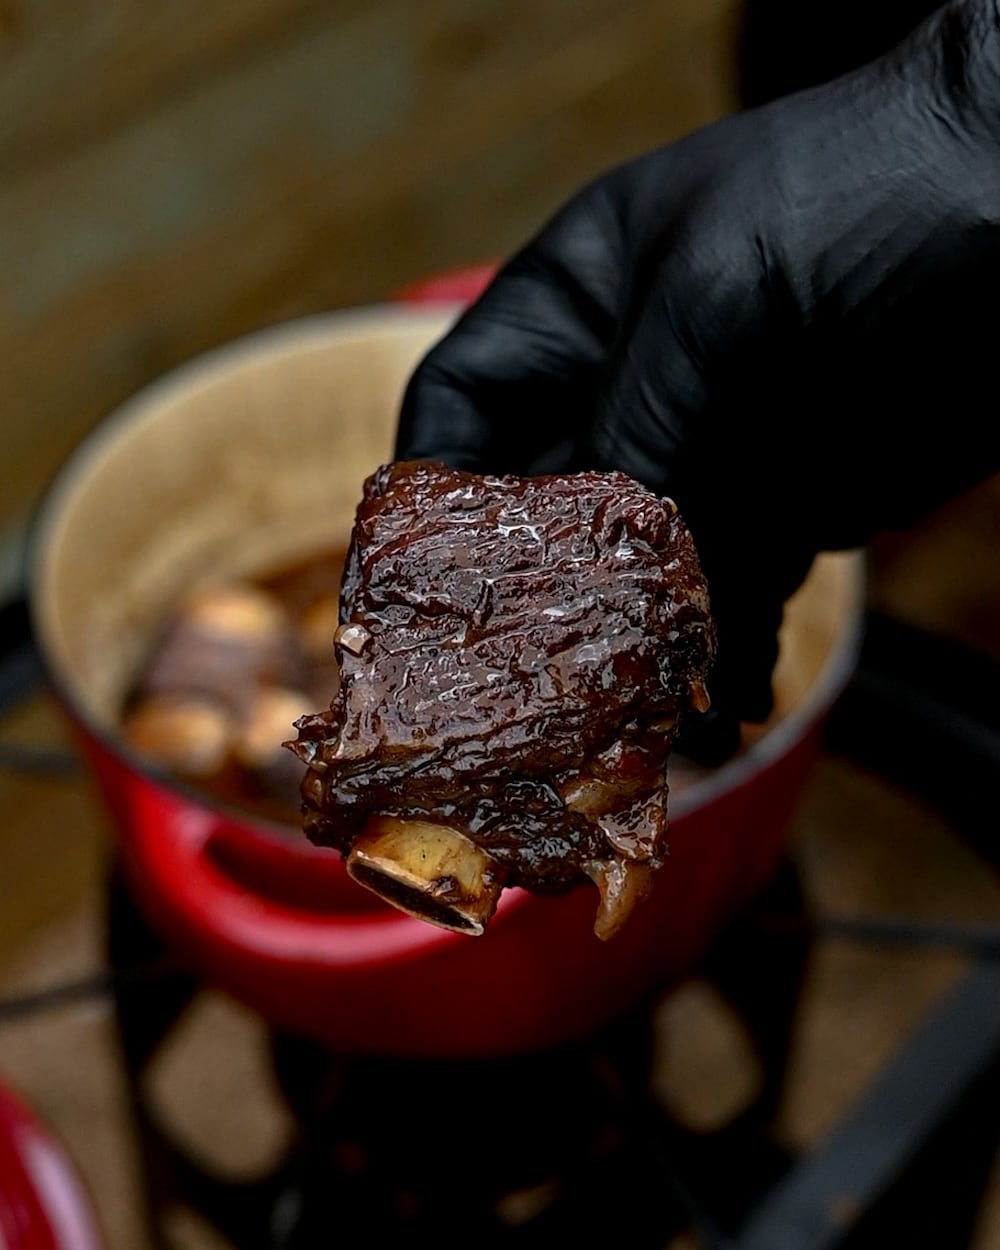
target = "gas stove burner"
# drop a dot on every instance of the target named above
(518, 1151)
(511, 1150)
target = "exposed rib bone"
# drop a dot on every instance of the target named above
(428, 870)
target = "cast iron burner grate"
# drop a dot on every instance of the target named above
(592, 1160)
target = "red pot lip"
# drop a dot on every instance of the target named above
(734, 774)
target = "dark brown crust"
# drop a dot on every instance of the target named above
(514, 653)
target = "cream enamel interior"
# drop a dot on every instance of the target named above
(250, 458)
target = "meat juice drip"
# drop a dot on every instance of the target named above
(233, 666)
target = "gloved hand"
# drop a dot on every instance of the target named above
(788, 322)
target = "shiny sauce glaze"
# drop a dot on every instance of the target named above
(515, 654)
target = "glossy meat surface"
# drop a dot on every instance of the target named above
(514, 653)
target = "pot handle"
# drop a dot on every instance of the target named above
(241, 900)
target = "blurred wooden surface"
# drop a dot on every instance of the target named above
(174, 174)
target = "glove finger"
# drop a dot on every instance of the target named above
(708, 738)
(648, 414)
(657, 421)
(507, 388)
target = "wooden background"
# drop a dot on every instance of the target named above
(177, 172)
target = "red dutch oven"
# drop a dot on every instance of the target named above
(43, 1205)
(250, 459)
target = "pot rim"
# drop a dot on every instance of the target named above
(300, 332)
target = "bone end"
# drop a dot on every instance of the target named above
(429, 871)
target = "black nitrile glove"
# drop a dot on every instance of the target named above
(788, 322)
